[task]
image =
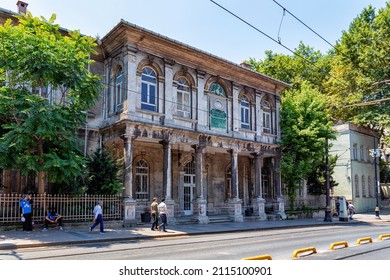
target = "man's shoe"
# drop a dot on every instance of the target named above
(61, 228)
(153, 229)
(165, 230)
(44, 229)
(102, 232)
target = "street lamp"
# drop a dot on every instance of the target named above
(376, 153)
(328, 217)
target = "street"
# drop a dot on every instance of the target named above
(278, 243)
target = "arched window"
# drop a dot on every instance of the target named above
(217, 89)
(357, 193)
(364, 194)
(183, 98)
(118, 95)
(149, 94)
(142, 180)
(245, 113)
(267, 117)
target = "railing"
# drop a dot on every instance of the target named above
(72, 208)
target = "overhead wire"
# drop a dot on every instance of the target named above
(279, 39)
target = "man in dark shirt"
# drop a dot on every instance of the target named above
(52, 217)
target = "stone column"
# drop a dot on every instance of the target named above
(167, 179)
(202, 99)
(235, 201)
(236, 114)
(169, 105)
(129, 202)
(278, 188)
(258, 203)
(130, 59)
(199, 203)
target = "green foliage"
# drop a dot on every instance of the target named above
(305, 126)
(41, 106)
(316, 182)
(305, 64)
(384, 169)
(103, 174)
(360, 69)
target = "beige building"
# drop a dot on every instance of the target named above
(189, 126)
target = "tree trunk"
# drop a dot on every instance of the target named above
(41, 182)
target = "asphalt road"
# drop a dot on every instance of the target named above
(279, 244)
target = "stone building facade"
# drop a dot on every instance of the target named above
(188, 126)
(191, 127)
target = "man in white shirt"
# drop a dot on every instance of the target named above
(163, 211)
(98, 217)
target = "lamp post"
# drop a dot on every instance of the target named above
(328, 217)
(376, 153)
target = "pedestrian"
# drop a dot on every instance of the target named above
(98, 217)
(26, 212)
(52, 217)
(154, 212)
(351, 210)
(163, 211)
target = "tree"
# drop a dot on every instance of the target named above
(103, 174)
(306, 64)
(305, 126)
(41, 106)
(359, 87)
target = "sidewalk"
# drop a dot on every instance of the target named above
(14, 239)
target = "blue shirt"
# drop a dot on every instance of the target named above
(52, 216)
(26, 206)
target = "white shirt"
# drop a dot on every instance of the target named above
(162, 208)
(97, 210)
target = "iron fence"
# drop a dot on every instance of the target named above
(72, 208)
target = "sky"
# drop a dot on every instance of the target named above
(204, 25)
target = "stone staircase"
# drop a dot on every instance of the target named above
(186, 220)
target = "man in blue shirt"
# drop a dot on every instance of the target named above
(52, 217)
(26, 212)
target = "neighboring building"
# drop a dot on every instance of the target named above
(190, 126)
(355, 170)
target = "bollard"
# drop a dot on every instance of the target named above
(333, 245)
(387, 235)
(308, 249)
(256, 258)
(360, 240)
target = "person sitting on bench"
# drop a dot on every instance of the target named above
(52, 217)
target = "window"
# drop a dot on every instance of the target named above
(118, 90)
(361, 152)
(142, 180)
(364, 194)
(267, 117)
(149, 89)
(357, 193)
(183, 98)
(371, 191)
(217, 89)
(354, 151)
(245, 113)
(368, 154)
